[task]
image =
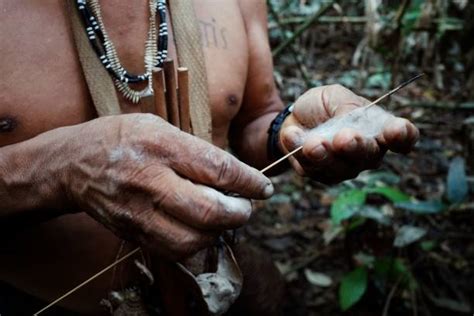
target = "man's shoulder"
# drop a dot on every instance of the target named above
(254, 12)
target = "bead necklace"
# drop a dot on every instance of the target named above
(155, 53)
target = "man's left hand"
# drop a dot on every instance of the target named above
(349, 152)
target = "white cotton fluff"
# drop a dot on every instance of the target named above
(369, 122)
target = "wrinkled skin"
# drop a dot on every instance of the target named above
(123, 180)
(135, 175)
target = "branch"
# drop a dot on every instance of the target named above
(312, 19)
(322, 19)
(295, 54)
(401, 12)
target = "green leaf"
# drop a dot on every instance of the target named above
(407, 235)
(371, 178)
(353, 287)
(411, 16)
(356, 222)
(393, 194)
(374, 214)
(388, 269)
(428, 245)
(456, 186)
(379, 80)
(401, 270)
(347, 204)
(422, 207)
(382, 267)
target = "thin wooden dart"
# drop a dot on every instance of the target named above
(273, 164)
(171, 97)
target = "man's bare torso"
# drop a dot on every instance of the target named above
(42, 88)
(42, 85)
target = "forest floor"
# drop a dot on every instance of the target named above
(433, 271)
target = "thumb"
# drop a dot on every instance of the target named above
(291, 138)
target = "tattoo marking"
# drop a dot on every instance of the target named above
(213, 35)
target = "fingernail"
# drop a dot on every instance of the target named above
(319, 152)
(268, 191)
(298, 137)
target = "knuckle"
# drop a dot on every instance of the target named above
(336, 86)
(325, 97)
(225, 169)
(143, 118)
(210, 210)
(191, 243)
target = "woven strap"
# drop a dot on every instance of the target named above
(100, 84)
(191, 56)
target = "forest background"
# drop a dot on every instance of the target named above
(398, 240)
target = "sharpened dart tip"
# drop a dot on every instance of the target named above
(400, 86)
(406, 83)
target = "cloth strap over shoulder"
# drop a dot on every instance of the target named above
(191, 56)
(98, 80)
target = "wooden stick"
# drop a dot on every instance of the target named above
(171, 97)
(159, 92)
(273, 164)
(128, 255)
(147, 104)
(183, 99)
(400, 86)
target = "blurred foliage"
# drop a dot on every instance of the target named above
(401, 38)
(392, 221)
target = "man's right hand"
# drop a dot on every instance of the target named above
(149, 182)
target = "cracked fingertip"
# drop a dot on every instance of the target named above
(293, 137)
(268, 191)
(319, 152)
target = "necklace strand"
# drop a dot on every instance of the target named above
(105, 49)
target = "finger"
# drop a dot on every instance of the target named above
(338, 170)
(400, 135)
(362, 152)
(342, 159)
(315, 154)
(319, 104)
(316, 151)
(164, 234)
(349, 143)
(133, 218)
(206, 164)
(200, 206)
(292, 137)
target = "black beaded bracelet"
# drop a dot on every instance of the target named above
(273, 149)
